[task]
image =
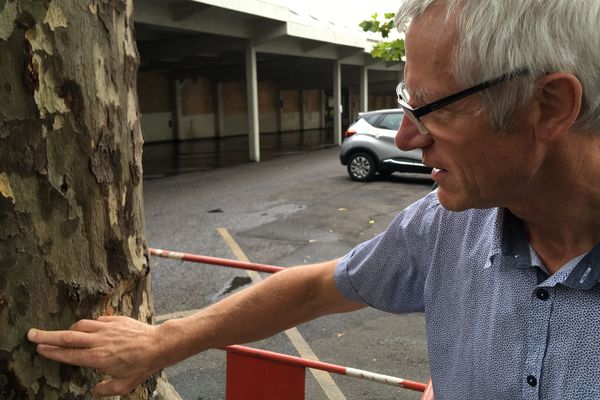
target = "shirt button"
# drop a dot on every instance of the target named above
(531, 380)
(542, 294)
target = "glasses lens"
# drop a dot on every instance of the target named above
(416, 121)
(402, 94)
(403, 99)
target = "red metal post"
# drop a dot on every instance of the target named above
(252, 378)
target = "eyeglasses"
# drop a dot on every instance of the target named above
(415, 114)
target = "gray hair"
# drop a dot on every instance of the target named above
(500, 36)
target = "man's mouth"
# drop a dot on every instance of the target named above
(438, 173)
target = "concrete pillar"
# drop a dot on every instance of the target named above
(301, 107)
(337, 103)
(252, 96)
(220, 112)
(177, 112)
(323, 110)
(364, 89)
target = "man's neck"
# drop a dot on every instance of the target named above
(562, 213)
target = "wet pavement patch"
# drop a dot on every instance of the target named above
(236, 283)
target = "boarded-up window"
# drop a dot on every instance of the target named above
(267, 97)
(290, 101)
(312, 100)
(153, 92)
(197, 97)
(234, 98)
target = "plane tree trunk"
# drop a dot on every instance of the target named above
(72, 239)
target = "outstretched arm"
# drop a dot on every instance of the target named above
(130, 351)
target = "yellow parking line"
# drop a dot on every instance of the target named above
(324, 379)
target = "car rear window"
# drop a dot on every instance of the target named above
(390, 121)
(372, 118)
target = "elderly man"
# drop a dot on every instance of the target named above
(503, 98)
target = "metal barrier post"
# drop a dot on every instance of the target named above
(251, 378)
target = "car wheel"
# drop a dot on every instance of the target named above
(361, 167)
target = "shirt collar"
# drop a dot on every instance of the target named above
(511, 242)
(514, 245)
(587, 271)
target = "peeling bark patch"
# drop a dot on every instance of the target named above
(119, 5)
(58, 123)
(116, 258)
(3, 303)
(38, 40)
(21, 157)
(10, 386)
(66, 372)
(5, 188)
(131, 67)
(31, 80)
(70, 92)
(107, 10)
(7, 19)
(136, 173)
(55, 17)
(105, 163)
(68, 227)
(69, 293)
(64, 186)
(46, 97)
(99, 168)
(8, 220)
(49, 199)
(22, 300)
(7, 263)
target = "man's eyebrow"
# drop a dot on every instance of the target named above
(424, 96)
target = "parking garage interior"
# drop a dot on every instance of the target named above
(224, 83)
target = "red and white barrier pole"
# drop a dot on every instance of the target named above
(336, 369)
(175, 255)
(247, 375)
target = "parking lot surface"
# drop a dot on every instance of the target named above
(292, 210)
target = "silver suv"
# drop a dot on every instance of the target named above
(369, 147)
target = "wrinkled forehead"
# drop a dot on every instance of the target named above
(430, 46)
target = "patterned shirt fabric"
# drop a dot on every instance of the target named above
(498, 325)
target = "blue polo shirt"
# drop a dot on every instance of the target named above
(498, 325)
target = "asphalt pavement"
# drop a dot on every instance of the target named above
(292, 210)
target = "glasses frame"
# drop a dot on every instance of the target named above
(415, 114)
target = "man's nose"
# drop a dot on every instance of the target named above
(408, 136)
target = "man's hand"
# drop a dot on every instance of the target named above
(125, 349)
(428, 393)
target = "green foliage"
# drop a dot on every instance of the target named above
(387, 50)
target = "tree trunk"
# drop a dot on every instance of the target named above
(72, 234)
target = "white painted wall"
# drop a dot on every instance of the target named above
(197, 126)
(312, 120)
(290, 121)
(155, 126)
(268, 122)
(236, 124)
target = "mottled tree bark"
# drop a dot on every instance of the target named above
(71, 217)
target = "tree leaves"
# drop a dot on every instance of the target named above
(387, 50)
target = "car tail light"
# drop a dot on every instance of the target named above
(349, 132)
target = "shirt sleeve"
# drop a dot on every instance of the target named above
(389, 271)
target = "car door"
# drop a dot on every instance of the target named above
(385, 131)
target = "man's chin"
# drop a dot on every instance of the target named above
(453, 202)
(458, 201)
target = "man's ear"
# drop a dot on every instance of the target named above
(558, 97)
